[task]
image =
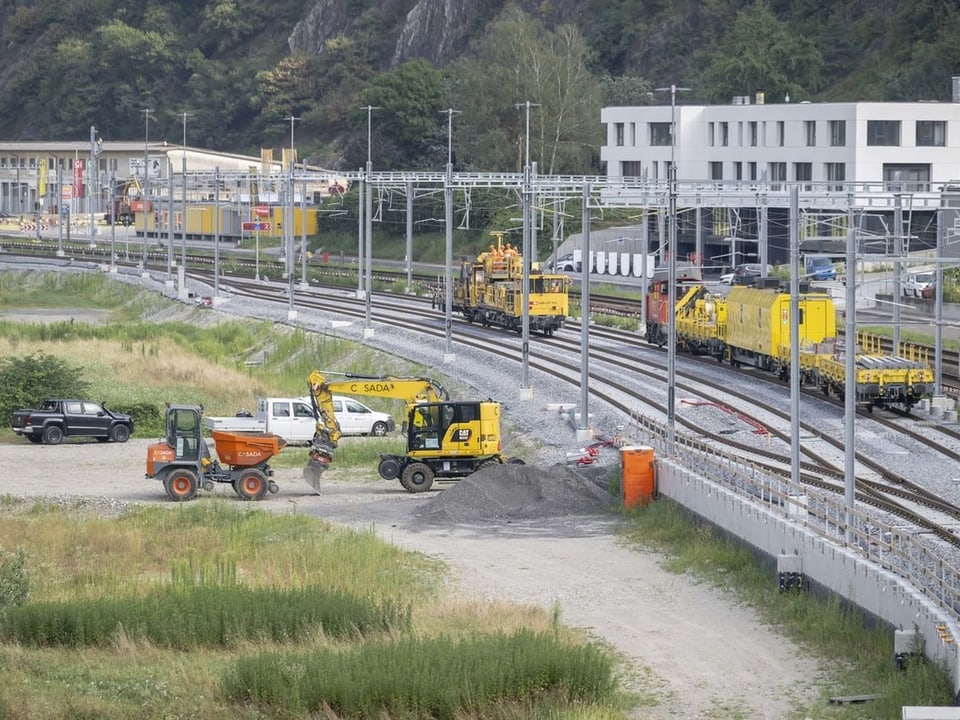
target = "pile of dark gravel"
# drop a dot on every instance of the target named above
(517, 492)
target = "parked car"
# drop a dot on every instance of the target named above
(744, 274)
(917, 282)
(564, 263)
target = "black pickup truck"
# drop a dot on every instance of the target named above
(56, 419)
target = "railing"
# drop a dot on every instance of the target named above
(903, 552)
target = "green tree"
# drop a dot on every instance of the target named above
(761, 53)
(518, 61)
(407, 119)
(28, 380)
(626, 91)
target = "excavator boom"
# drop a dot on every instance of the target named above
(411, 390)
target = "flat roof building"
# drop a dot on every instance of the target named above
(748, 154)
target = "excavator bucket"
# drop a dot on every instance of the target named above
(321, 454)
(314, 468)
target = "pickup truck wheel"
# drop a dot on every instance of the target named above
(52, 435)
(33, 438)
(251, 485)
(417, 477)
(181, 485)
(120, 433)
(379, 429)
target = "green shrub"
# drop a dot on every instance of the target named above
(183, 617)
(147, 417)
(28, 380)
(423, 677)
(14, 580)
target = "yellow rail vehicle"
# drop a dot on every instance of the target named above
(490, 291)
(881, 380)
(758, 326)
(752, 326)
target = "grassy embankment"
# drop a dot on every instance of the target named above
(217, 561)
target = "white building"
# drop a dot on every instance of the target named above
(871, 149)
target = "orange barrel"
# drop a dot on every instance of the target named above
(638, 482)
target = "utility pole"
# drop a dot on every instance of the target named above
(672, 270)
(91, 185)
(145, 202)
(182, 272)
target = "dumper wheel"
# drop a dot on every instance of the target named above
(417, 477)
(181, 485)
(251, 485)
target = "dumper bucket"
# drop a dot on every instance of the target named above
(246, 449)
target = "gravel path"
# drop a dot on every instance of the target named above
(691, 647)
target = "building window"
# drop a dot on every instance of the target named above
(906, 178)
(931, 133)
(618, 133)
(883, 132)
(803, 172)
(660, 133)
(836, 175)
(738, 171)
(724, 134)
(810, 132)
(716, 171)
(631, 168)
(711, 135)
(838, 133)
(781, 133)
(752, 129)
(778, 174)
(753, 170)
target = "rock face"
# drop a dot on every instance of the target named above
(435, 30)
(326, 19)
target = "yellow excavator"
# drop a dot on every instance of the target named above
(445, 439)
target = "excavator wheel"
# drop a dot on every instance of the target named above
(389, 467)
(181, 485)
(417, 477)
(251, 485)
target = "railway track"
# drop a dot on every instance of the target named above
(888, 493)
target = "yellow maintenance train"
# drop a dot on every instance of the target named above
(489, 290)
(751, 327)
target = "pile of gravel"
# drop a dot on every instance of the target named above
(511, 492)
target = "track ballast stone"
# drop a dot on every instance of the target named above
(517, 492)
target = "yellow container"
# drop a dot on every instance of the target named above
(638, 484)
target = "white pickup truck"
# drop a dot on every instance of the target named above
(292, 419)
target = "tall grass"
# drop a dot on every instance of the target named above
(215, 610)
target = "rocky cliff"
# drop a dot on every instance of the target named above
(435, 30)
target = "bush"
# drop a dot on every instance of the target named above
(28, 380)
(14, 580)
